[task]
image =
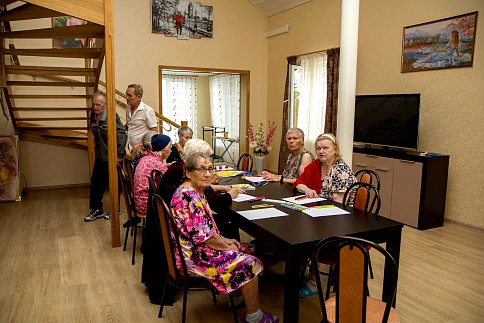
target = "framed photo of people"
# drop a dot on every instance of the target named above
(439, 44)
(182, 19)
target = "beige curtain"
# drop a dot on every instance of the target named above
(284, 151)
(332, 90)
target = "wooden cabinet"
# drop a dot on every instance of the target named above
(413, 187)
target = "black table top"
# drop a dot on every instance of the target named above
(299, 229)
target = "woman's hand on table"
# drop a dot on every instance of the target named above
(311, 193)
(234, 191)
(270, 177)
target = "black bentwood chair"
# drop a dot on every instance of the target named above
(179, 279)
(245, 163)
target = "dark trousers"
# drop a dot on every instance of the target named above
(99, 183)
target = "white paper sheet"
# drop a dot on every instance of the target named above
(254, 179)
(326, 211)
(243, 198)
(303, 200)
(259, 214)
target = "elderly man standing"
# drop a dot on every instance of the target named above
(139, 117)
(100, 174)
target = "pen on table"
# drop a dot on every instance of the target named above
(256, 199)
(264, 184)
(323, 206)
(301, 197)
(228, 180)
(261, 206)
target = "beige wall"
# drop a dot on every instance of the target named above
(204, 117)
(451, 104)
(238, 43)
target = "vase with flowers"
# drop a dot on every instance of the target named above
(259, 143)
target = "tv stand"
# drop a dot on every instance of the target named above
(413, 185)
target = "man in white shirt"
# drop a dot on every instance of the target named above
(139, 116)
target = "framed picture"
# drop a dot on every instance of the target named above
(439, 44)
(65, 21)
(182, 19)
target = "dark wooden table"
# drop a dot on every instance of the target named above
(294, 236)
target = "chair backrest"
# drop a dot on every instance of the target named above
(168, 226)
(127, 192)
(351, 295)
(368, 176)
(361, 192)
(245, 163)
(128, 166)
(156, 175)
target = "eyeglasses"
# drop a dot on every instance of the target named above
(211, 170)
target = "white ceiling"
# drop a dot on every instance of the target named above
(273, 7)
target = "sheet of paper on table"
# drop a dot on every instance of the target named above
(259, 214)
(303, 199)
(254, 179)
(324, 210)
(243, 198)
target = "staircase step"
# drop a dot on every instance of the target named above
(82, 31)
(65, 137)
(48, 109)
(51, 128)
(56, 52)
(52, 119)
(45, 70)
(28, 11)
(54, 96)
(36, 83)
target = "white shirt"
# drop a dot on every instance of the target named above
(139, 123)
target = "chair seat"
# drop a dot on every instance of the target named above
(374, 311)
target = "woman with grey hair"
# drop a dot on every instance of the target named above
(184, 134)
(298, 159)
(218, 196)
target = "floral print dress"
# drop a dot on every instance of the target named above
(226, 270)
(292, 170)
(338, 180)
(141, 189)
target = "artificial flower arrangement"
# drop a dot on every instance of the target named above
(257, 142)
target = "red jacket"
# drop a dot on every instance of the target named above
(311, 177)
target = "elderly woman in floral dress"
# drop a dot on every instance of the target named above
(224, 262)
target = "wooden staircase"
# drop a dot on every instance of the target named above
(47, 90)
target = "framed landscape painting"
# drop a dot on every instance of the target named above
(439, 44)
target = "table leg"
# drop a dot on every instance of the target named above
(292, 279)
(393, 247)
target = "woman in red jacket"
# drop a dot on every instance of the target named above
(328, 176)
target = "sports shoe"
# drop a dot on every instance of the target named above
(95, 214)
(107, 216)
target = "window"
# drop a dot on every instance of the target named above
(307, 98)
(179, 102)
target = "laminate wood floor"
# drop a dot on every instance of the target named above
(54, 267)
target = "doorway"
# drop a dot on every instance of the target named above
(205, 109)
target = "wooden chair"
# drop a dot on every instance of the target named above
(135, 219)
(361, 193)
(129, 169)
(156, 175)
(245, 163)
(351, 303)
(179, 279)
(369, 177)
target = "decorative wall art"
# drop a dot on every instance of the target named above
(66, 21)
(181, 18)
(439, 44)
(9, 169)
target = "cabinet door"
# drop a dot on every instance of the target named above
(384, 168)
(407, 179)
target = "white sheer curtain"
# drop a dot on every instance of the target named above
(312, 98)
(225, 107)
(179, 94)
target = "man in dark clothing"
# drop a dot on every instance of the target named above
(100, 174)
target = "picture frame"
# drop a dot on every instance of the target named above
(64, 21)
(182, 19)
(439, 44)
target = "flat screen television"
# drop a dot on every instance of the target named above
(387, 120)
